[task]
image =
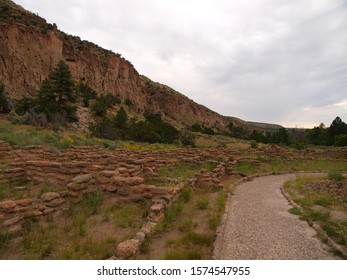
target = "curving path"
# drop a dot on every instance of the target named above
(259, 225)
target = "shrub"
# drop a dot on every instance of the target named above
(335, 175)
(254, 144)
(186, 194)
(6, 104)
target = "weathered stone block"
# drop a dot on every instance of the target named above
(76, 187)
(133, 181)
(110, 188)
(7, 205)
(55, 202)
(128, 248)
(49, 196)
(82, 179)
(123, 192)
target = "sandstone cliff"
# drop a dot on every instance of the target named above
(30, 48)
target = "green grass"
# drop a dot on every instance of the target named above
(335, 175)
(295, 211)
(186, 225)
(186, 194)
(337, 230)
(183, 170)
(191, 246)
(277, 165)
(124, 217)
(202, 202)
(172, 214)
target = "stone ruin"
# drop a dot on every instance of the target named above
(121, 173)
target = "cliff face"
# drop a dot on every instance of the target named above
(30, 49)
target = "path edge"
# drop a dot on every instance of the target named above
(220, 232)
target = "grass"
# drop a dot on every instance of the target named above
(335, 175)
(202, 202)
(27, 135)
(191, 246)
(183, 170)
(81, 232)
(171, 216)
(276, 165)
(295, 211)
(317, 204)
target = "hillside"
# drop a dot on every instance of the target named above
(30, 48)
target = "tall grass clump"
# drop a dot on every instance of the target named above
(335, 175)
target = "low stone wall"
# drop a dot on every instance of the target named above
(12, 176)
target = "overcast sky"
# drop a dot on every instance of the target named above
(277, 61)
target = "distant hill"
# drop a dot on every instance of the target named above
(30, 48)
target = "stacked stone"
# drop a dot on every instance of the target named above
(33, 153)
(80, 184)
(6, 153)
(56, 173)
(132, 246)
(12, 176)
(14, 212)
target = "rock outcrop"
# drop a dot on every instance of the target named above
(30, 48)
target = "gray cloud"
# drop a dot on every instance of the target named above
(263, 60)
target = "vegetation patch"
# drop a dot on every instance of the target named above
(319, 199)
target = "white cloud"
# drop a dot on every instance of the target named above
(261, 60)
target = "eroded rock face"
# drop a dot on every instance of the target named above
(29, 52)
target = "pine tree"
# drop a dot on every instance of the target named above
(57, 95)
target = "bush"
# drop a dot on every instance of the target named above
(254, 144)
(6, 104)
(335, 175)
(103, 103)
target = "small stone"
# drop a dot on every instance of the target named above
(106, 173)
(76, 187)
(48, 211)
(55, 202)
(110, 188)
(82, 179)
(123, 192)
(8, 205)
(103, 180)
(11, 221)
(140, 236)
(49, 196)
(148, 228)
(133, 181)
(128, 248)
(119, 181)
(157, 208)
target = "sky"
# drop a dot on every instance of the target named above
(274, 61)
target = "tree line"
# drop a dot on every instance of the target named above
(55, 106)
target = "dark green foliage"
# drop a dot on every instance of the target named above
(187, 138)
(152, 130)
(337, 127)
(5, 102)
(87, 93)
(203, 129)
(103, 103)
(281, 136)
(55, 101)
(128, 102)
(115, 127)
(335, 135)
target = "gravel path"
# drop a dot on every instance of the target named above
(259, 225)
